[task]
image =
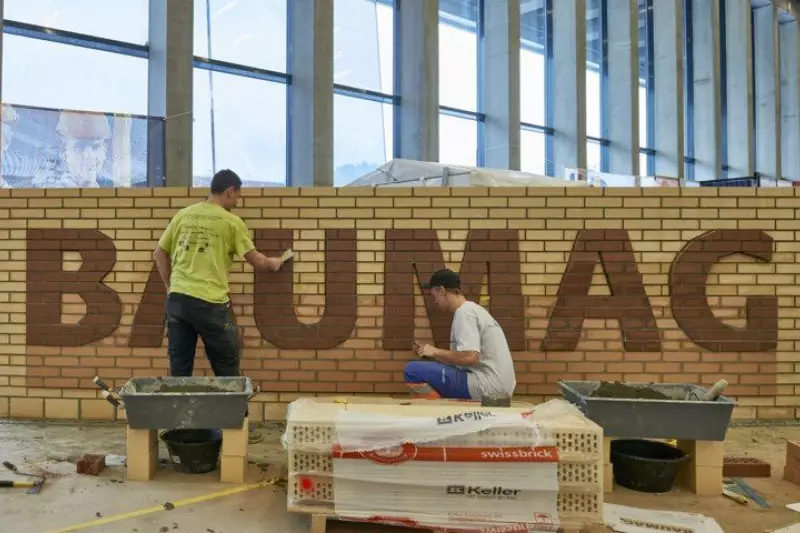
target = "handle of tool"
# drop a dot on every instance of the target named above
(17, 484)
(111, 398)
(716, 391)
(10, 466)
(100, 383)
(738, 498)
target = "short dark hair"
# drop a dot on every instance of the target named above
(224, 180)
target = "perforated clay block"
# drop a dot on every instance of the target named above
(311, 434)
(745, 467)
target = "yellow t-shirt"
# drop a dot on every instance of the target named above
(202, 241)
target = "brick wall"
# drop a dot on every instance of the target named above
(686, 285)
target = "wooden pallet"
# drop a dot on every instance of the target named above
(321, 522)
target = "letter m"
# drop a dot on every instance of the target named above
(490, 256)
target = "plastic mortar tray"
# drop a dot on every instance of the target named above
(186, 403)
(675, 413)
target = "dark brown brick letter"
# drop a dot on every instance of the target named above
(47, 281)
(488, 254)
(274, 294)
(628, 302)
(687, 286)
(148, 323)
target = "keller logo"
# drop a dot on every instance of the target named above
(483, 493)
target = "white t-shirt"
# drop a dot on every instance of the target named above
(475, 330)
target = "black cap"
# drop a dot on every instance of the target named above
(447, 279)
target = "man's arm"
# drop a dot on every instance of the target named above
(163, 264)
(468, 358)
(260, 261)
(463, 358)
(164, 249)
(467, 335)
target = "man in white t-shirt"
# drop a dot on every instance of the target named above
(478, 364)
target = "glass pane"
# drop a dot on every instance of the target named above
(46, 74)
(643, 117)
(126, 21)
(357, 151)
(245, 32)
(533, 154)
(593, 155)
(458, 141)
(53, 148)
(643, 158)
(363, 44)
(594, 62)
(532, 65)
(458, 54)
(239, 123)
(644, 70)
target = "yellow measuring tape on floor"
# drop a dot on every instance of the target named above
(157, 508)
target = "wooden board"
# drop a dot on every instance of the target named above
(322, 523)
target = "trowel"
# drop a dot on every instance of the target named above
(33, 486)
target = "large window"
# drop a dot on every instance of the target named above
(240, 91)
(458, 82)
(251, 33)
(48, 74)
(75, 87)
(533, 87)
(239, 123)
(126, 21)
(364, 77)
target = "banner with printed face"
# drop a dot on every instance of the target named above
(63, 148)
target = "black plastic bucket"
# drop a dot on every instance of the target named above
(193, 451)
(645, 465)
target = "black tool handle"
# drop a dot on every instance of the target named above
(10, 466)
(18, 484)
(100, 383)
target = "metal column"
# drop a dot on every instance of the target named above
(768, 92)
(790, 99)
(707, 115)
(170, 90)
(623, 87)
(310, 106)
(569, 65)
(501, 84)
(417, 83)
(668, 57)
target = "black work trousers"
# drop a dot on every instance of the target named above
(189, 318)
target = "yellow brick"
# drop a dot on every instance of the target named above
(299, 202)
(337, 202)
(60, 409)
(276, 411)
(27, 408)
(96, 410)
(235, 441)
(233, 469)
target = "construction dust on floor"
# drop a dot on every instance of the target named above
(68, 499)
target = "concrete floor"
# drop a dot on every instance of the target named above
(69, 499)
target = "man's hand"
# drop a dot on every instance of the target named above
(423, 350)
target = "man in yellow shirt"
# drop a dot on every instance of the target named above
(194, 257)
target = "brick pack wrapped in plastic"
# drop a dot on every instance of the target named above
(451, 466)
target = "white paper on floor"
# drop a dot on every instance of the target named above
(794, 507)
(632, 520)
